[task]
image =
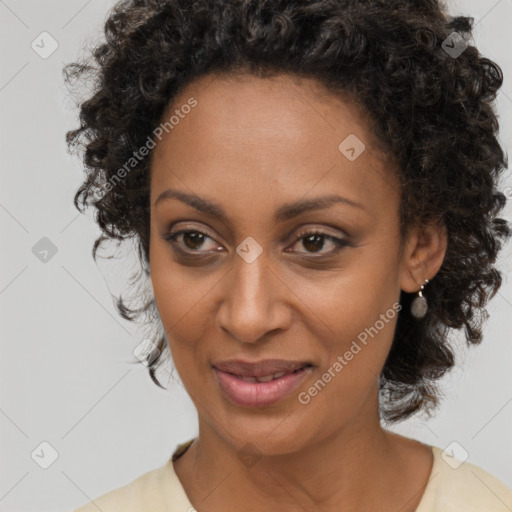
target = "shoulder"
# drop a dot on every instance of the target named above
(157, 490)
(461, 486)
(142, 493)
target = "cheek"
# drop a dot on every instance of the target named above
(179, 297)
(181, 310)
(178, 291)
(357, 314)
(351, 360)
(355, 297)
(356, 324)
(179, 305)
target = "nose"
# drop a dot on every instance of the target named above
(255, 300)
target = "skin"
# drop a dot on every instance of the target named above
(250, 145)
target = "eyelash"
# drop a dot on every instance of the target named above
(172, 236)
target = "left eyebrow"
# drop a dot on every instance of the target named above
(284, 212)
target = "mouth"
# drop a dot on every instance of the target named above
(269, 377)
(265, 368)
(259, 384)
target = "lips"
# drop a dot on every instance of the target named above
(258, 384)
(260, 371)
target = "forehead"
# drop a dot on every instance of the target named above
(275, 136)
(280, 108)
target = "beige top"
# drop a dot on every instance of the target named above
(452, 487)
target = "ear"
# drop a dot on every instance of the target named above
(423, 255)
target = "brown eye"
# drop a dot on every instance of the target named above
(192, 241)
(315, 241)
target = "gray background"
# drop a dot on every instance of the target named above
(64, 374)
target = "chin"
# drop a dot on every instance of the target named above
(263, 436)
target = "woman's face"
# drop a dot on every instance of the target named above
(253, 287)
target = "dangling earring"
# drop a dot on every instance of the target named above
(419, 306)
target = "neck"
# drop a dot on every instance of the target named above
(354, 468)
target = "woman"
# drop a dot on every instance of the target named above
(313, 215)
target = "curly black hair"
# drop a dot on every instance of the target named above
(429, 108)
